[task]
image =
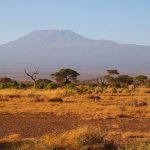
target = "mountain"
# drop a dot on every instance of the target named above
(54, 49)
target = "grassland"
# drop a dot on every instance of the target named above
(121, 116)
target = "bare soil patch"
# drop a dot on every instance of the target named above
(35, 125)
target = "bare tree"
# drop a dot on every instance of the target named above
(102, 82)
(33, 75)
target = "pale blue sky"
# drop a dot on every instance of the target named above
(126, 21)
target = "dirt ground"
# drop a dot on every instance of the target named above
(35, 125)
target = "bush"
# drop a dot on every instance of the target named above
(147, 83)
(89, 139)
(42, 83)
(51, 86)
(15, 85)
(94, 141)
(55, 100)
(2, 86)
(77, 139)
(21, 86)
(45, 84)
(5, 80)
(71, 86)
(30, 145)
(122, 81)
(12, 84)
(24, 85)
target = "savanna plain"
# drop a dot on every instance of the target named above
(75, 118)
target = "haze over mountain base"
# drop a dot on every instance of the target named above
(51, 50)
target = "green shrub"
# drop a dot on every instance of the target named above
(2, 86)
(45, 84)
(12, 84)
(42, 83)
(21, 86)
(24, 85)
(147, 83)
(51, 85)
(15, 85)
(71, 86)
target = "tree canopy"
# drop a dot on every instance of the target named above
(123, 80)
(112, 72)
(141, 78)
(5, 80)
(64, 76)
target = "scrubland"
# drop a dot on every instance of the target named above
(119, 120)
(86, 106)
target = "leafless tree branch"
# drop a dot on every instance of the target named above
(33, 76)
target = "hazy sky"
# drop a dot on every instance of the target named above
(126, 21)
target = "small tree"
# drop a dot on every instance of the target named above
(65, 76)
(123, 81)
(112, 72)
(33, 75)
(5, 80)
(141, 79)
(42, 83)
(111, 75)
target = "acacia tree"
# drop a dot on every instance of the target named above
(33, 75)
(64, 76)
(112, 72)
(141, 79)
(111, 75)
(123, 80)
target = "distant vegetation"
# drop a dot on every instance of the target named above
(120, 102)
(68, 78)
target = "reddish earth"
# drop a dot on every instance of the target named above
(36, 125)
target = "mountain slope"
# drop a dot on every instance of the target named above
(52, 49)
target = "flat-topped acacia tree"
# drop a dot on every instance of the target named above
(112, 72)
(110, 77)
(65, 76)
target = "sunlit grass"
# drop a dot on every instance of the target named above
(114, 106)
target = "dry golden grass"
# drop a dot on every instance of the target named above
(77, 139)
(10, 138)
(135, 135)
(109, 106)
(129, 134)
(68, 137)
(86, 137)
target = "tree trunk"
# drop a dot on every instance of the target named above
(34, 84)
